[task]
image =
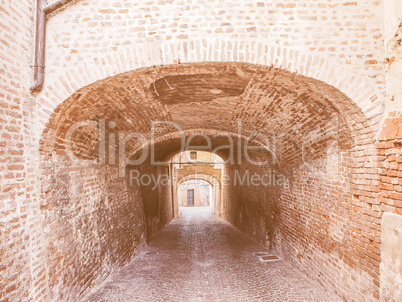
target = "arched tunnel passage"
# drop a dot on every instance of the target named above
(195, 195)
(288, 145)
(197, 180)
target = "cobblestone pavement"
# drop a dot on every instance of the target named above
(199, 257)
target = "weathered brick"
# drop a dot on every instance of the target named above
(300, 78)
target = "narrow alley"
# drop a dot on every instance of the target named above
(200, 257)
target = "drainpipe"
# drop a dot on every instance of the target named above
(56, 5)
(42, 10)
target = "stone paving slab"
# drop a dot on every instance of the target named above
(200, 257)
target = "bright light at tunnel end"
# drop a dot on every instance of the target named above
(129, 150)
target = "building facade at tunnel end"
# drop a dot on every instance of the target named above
(300, 99)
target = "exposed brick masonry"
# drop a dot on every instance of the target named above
(301, 63)
(390, 164)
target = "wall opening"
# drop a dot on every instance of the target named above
(197, 181)
(290, 147)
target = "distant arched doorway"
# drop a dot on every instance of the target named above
(204, 186)
(195, 192)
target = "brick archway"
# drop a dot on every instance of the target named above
(309, 108)
(208, 178)
(358, 88)
(216, 189)
(211, 133)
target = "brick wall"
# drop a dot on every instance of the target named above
(390, 163)
(323, 218)
(389, 150)
(348, 32)
(390, 178)
(253, 208)
(117, 37)
(21, 261)
(335, 49)
(92, 219)
(156, 197)
(393, 60)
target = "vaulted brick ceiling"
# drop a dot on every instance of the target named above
(208, 96)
